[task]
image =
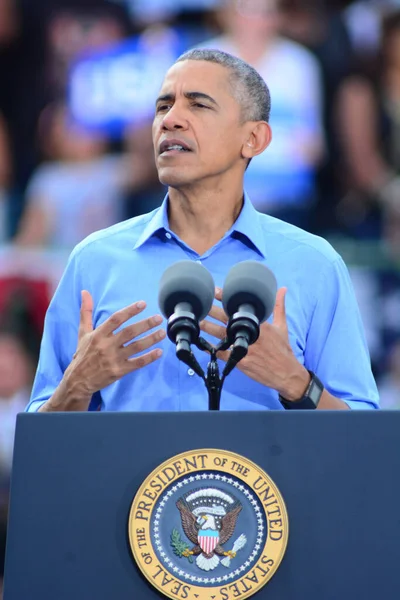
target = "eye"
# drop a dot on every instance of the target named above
(162, 107)
(199, 105)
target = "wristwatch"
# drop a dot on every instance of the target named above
(310, 399)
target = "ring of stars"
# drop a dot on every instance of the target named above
(208, 580)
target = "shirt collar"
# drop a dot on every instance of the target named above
(158, 222)
(247, 224)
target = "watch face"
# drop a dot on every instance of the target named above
(316, 390)
(310, 399)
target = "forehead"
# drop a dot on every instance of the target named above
(203, 76)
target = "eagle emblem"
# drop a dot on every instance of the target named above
(209, 517)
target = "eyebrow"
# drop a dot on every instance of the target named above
(189, 95)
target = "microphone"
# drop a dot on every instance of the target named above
(185, 297)
(248, 299)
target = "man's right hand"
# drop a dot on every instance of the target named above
(104, 355)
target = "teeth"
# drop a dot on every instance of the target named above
(176, 147)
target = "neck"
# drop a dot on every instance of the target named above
(253, 49)
(201, 217)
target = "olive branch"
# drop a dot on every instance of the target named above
(179, 546)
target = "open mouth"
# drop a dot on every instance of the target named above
(173, 146)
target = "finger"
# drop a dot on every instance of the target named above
(143, 344)
(218, 313)
(218, 294)
(217, 331)
(279, 315)
(129, 333)
(223, 355)
(120, 317)
(146, 359)
(86, 314)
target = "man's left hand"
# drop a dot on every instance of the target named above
(270, 360)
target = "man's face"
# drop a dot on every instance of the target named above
(256, 19)
(198, 132)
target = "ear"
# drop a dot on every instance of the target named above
(258, 140)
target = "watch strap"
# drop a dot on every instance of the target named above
(310, 398)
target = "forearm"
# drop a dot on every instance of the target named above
(329, 402)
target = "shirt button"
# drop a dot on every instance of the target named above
(191, 372)
(168, 235)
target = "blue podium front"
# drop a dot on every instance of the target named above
(75, 478)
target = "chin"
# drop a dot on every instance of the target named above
(173, 177)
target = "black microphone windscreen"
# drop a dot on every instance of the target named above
(250, 282)
(186, 281)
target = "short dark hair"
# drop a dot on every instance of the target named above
(249, 88)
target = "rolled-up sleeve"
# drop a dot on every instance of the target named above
(336, 347)
(60, 336)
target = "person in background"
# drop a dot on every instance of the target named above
(38, 43)
(16, 373)
(80, 189)
(17, 366)
(281, 181)
(363, 20)
(368, 118)
(20, 335)
(77, 29)
(321, 27)
(16, 376)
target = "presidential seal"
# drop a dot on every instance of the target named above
(208, 525)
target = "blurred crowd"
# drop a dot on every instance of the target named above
(333, 167)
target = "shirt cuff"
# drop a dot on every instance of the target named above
(361, 405)
(35, 405)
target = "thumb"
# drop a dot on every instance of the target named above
(279, 314)
(86, 314)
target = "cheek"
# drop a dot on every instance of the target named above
(223, 147)
(155, 131)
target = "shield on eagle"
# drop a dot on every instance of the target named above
(209, 518)
(208, 540)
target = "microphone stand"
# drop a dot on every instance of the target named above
(213, 383)
(212, 380)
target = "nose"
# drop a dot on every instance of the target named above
(174, 119)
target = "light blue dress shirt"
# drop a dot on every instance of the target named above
(124, 263)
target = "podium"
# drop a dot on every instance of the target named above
(75, 477)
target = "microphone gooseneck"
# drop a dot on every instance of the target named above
(186, 295)
(248, 298)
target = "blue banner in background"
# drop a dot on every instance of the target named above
(154, 10)
(117, 87)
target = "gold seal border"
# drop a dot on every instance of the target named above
(179, 587)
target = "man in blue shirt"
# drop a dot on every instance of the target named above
(101, 351)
